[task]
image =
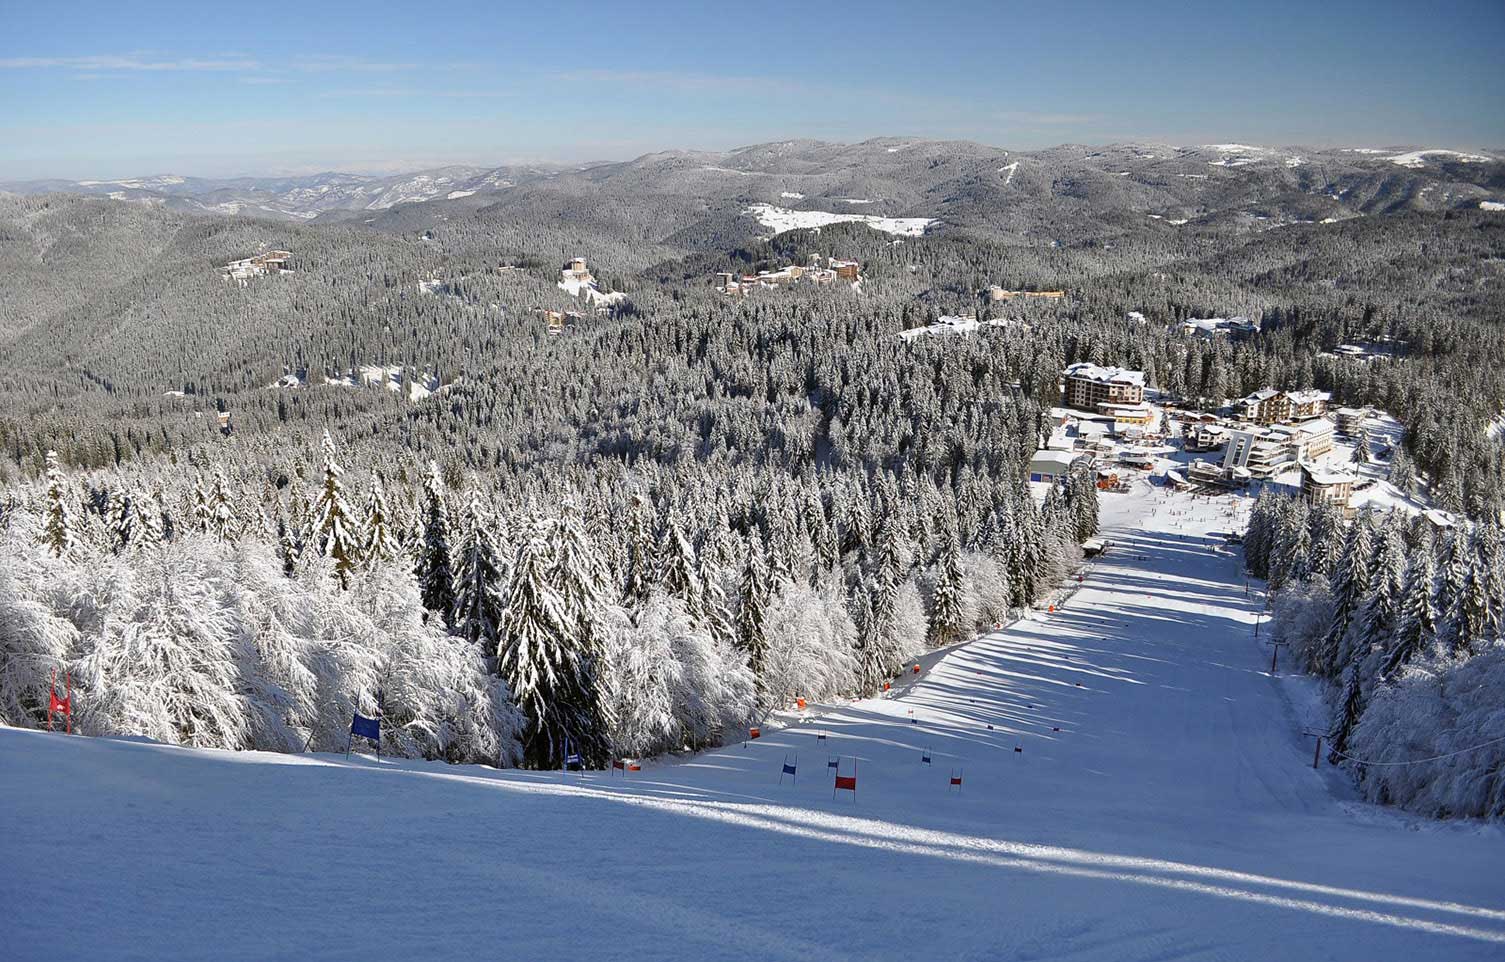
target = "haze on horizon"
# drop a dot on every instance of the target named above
(90, 90)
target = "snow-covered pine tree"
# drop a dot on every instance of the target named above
(436, 579)
(124, 524)
(855, 522)
(223, 523)
(946, 621)
(818, 528)
(1350, 583)
(334, 528)
(200, 512)
(58, 524)
(478, 581)
(579, 575)
(1469, 622)
(752, 608)
(1381, 612)
(1361, 447)
(1417, 631)
(147, 514)
(642, 557)
(1350, 708)
(680, 573)
(381, 545)
(553, 675)
(1402, 471)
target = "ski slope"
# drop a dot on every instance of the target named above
(1175, 815)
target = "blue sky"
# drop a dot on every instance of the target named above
(121, 89)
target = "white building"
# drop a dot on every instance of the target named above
(1051, 466)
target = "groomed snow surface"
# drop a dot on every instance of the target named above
(1174, 815)
(780, 219)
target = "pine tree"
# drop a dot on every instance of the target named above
(579, 575)
(478, 581)
(146, 514)
(201, 514)
(1381, 613)
(58, 529)
(1418, 613)
(1350, 708)
(223, 523)
(680, 574)
(945, 608)
(1361, 447)
(1402, 471)
(752, 609)
(124, 523)
(552, 673)
(642, 559)
(1470, 618)
(1350, 583)
(436, 579)
(334, 528)
(381, 546)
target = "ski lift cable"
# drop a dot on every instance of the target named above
(1418, 761)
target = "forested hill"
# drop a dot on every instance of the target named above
(122, 338)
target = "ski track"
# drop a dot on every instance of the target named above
(1174, 816)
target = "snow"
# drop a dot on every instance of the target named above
(852, 200)
(1491, 205)
(1174, 815)
(457, 194)
(791, 195)
(780, 219)
(1418, 158)
(1012, 169)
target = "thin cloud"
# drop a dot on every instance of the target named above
(255, 69)
(684, 81)
(127, 63)
(1045, 118)
(456, 94)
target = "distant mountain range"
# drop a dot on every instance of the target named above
(951, 182)
(296, 198)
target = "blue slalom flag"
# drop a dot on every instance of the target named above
(833, 763)
(366, 727)
(788, 769)
(572, 761)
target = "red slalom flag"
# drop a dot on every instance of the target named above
(847, 782)
(64, 705)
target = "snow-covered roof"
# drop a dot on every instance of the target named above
(1106, 375)
(1125, 410)
(1325, 475)
(1263, 394)
(1308, 396)
(1059, 458)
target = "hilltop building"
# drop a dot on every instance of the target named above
(271, 262)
